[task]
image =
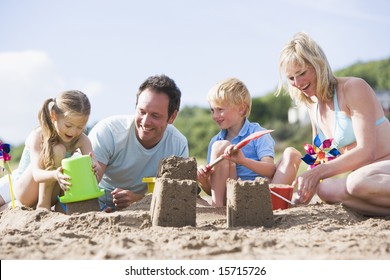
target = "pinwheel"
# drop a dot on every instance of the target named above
(4, 159)
(320, 152)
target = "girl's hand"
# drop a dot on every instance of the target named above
(62, 179)
(95, 166)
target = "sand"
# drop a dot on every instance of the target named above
(315, 231)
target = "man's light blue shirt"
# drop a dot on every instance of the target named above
(115, 144)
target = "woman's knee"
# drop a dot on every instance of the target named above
(332, 190)
(355, 185)
(323, 193)
(326, 196)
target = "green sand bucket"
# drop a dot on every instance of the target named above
(84, 184)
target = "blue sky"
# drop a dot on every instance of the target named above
(108, 48)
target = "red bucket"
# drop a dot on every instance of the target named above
(284, 190)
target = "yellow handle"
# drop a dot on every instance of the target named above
(10, 186)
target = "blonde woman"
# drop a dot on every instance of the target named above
(346, 110)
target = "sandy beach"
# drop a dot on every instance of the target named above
(316, 231)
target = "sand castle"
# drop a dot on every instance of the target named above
(175, 191)
(179, 168)
(249, 203)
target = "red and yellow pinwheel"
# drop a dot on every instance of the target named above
(320, 152)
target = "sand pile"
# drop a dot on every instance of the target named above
(316, 231)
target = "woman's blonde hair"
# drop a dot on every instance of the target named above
(65, 104)
(304, 51)
(231, 91)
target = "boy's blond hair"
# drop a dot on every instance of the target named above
(232, 92)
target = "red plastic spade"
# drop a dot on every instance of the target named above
(239, 145)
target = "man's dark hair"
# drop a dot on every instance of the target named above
(163, 84)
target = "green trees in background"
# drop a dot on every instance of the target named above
(270, 111)
(376, 73)
(198, 126)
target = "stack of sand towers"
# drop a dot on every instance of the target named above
(175, 192)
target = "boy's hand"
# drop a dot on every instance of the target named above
(234, 155)
(203, 175)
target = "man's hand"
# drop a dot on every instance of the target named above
(123, 198)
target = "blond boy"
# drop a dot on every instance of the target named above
(230, 104)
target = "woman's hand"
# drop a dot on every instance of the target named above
(307, 184)
(62, 179)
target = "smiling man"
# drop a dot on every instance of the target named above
(130, 148)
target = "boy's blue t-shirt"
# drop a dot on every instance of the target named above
(255, 149)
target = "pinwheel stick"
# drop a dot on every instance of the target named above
(10, 186)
